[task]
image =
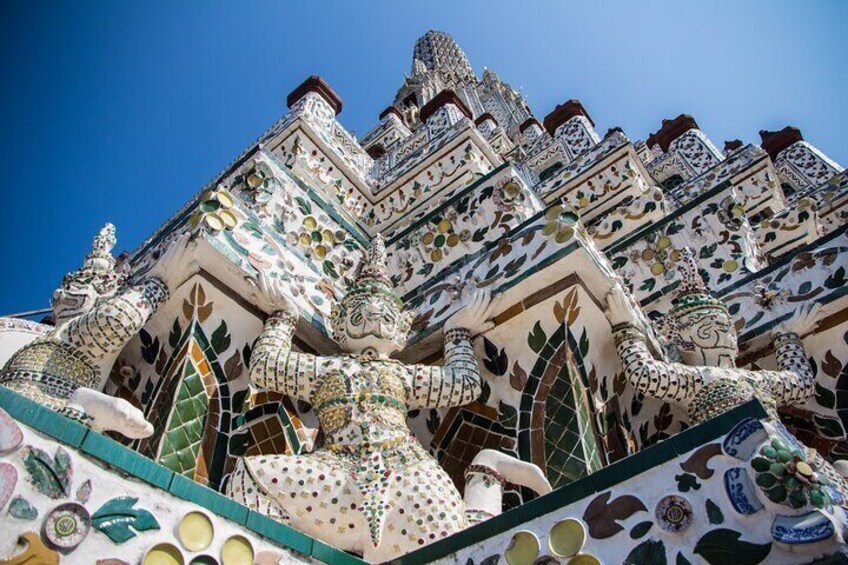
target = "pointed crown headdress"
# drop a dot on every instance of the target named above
(373, 278)
(98, 269)
(692, 296)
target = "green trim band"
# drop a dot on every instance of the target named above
(601, 480)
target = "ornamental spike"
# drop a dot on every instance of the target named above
(100, 258)
(374, 268)
(98, 269)
(691, 281)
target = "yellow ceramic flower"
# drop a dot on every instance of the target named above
(214, 211)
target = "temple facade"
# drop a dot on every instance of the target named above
(474, 335)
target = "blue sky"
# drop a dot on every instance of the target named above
(120, 111)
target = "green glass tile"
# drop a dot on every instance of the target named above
(573, 468)
(111, 452)
(182, 441)
(279, 533)
(580, 489)
(328, 554)
(215, 502)
(42, 419)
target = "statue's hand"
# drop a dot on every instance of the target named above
(109, 413)
(803, 321)
(475, 313)
(173, 266)
(619, 308)
(269, 295)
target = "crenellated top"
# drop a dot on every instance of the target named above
(319, 86)
(776, 141)
(671, 130)
(685, 152)
(563, 113)
(444, 99)
(471, 145)
(801, 165)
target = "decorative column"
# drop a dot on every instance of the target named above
(529, 132)
(316, 101)
(799, 164)
(682, 135)
(573, 127)
(442, 111)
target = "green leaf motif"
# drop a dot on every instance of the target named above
(584, 343)
(304, 205)
(253, 228)
(507, 415)
(491, 560)
(825, 397)
(149, 346)
(176, 333)
(722, 546)
(20, 508)
(537, 338)
(828, 427)
(837, 279)
(640, 529)
(221, 338)
(496, 361)
(49, 475)
(714, 513)
(650, 552)
(83, 492)
(687, 482)
(117, 516)
(648, 285)
(330, 269)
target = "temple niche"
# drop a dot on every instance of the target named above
(472, 335)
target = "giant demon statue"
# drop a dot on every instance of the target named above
(372, 488)
(708, 383)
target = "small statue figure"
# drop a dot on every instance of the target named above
(708, 382)
(95, 314)
(372, 488)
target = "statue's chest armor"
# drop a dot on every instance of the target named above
(361, 402)
(721, 392)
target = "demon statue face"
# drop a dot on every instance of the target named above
(370, 319)
(97, 278)
(700, 325)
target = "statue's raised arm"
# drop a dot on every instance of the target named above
(671, 382)
(103, 326)
(273, 364)
(794, 381)
(458, 382)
